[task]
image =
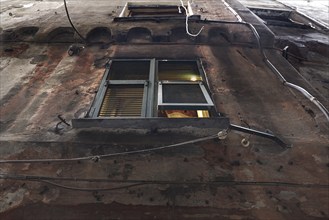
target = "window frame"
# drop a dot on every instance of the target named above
(129, 6)
(105, 83)
(188, 106)
(152, 96)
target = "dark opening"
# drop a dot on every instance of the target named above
(129, 70)
(278, 18)
(99, 35)
(182, 93)
(139, 35)
(61, 34)
(155, 10)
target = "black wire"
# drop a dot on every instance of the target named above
(135, 183)
(89, 189)
(102, 156)
(69, 18)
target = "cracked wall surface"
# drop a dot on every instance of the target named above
(209, 179)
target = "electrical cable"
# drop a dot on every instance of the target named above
(89, 189)
(311, 98)
(186, 21)
(134, 183)
(72, 25)
(284, 81)
(98, 157)
(233, 11)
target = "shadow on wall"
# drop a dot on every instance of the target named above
(218, 36)
(179, 35)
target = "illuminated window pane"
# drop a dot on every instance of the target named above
(178, 70)
(184, 113)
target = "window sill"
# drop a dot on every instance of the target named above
(154, 124)
(156, 18)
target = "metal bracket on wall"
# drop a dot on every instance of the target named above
(260, 134)
(62, 120)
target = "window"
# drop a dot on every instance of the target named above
(189, 95)
(150, 9)
(181, 92)
(124, 90)
(129, 89)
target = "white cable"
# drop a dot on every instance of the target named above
(316, 102)
(310, 97)
(186, 22)
(233, 11)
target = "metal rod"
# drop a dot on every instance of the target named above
(260, 134)
(69, 18)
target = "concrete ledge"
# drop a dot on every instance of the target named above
(152, 124)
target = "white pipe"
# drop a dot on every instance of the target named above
(189, 7)
(122, 14)
(233, 11)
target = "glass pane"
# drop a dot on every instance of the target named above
(122, 101)
(129, 70)
(182, 93)
(178, 70)
(156, 11)
(184, 113)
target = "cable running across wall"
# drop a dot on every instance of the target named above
(89, 189)
(135, 183)
(310, 97)
(98, 157)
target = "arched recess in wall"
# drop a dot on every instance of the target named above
(19, 34)
(9, 35)
(99, 35)
(61, 34)
(139, 35)
(218, 36)
(179, 35)
(27, 33)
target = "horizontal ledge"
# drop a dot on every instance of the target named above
(152, 123)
